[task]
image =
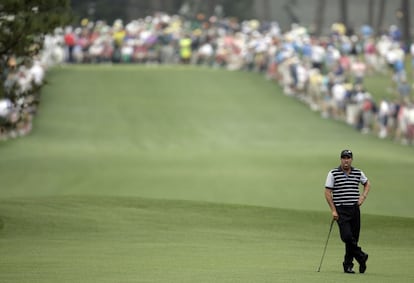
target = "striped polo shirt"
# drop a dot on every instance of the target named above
(345, 188)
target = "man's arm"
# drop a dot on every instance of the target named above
(329, 200)
(364, 195)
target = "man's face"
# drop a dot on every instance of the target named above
(346, 162)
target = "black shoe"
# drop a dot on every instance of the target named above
(348, 270)
(363, 263)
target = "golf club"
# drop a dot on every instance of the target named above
(326, 244)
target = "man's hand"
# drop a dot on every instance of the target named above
(329, 200)
(335, 215)
(361, 200)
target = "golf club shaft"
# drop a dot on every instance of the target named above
(326, 244)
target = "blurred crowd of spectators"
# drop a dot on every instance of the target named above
(327, 73)
(22, 96)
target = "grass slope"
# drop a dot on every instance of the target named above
(195, 134)
(118, 239)
(179, 174)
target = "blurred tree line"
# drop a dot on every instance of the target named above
(402, 13)
(110, 10)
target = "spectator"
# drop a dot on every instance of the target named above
(318, 56)
(358, 69)
(368, 110)
(185, 49)
(412, 57)
(404, 90)
(409, 114)
(370, 55)
(70, 42)
(5, 108)
(339, 93)
(383, 117)
(204, 54)
(401, 127)
(315, 89)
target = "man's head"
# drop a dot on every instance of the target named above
(346, 153)
(346, 159)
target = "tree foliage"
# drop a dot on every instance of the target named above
(23, 23)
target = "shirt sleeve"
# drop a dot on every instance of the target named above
(329, 183)
(363, 179)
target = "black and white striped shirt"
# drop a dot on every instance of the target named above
(345, 188)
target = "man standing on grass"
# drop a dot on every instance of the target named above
(344, 200)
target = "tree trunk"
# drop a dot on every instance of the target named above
(157, 5)
(343, 12)
(371, 6)
(379, 27)
(319, 16)
(405, 22)
(266, 9)
(289, 7)
(211, 6)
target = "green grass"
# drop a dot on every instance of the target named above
(181, 174)
(89, 239)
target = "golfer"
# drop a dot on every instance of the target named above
(344, 199)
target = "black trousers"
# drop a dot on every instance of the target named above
(349, 223)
